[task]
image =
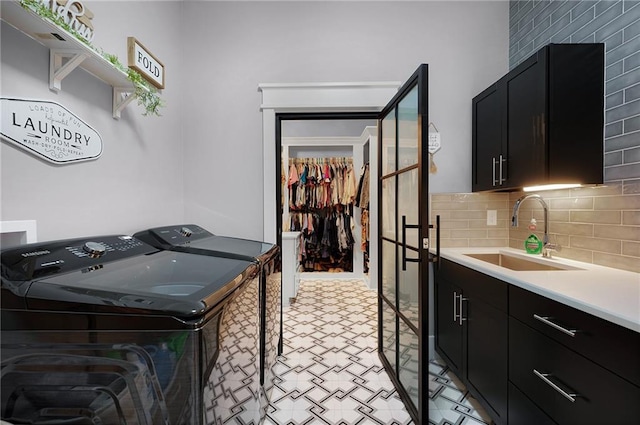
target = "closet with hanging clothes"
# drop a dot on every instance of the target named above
(321, 193)
(320, 184)
(323, 203)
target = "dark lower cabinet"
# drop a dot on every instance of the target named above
(568, 387)
(523, 411)
(530, 360)
(487, 356)
(448, 324)
(605, 343)
(471, 333)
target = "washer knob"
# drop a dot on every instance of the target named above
(186, 232)
(94, 249)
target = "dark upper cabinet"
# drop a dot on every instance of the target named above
(542, 122)
(488, 147)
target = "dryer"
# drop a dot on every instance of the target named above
(194, 239)
(110, 330)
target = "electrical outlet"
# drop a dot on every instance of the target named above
(492, 217)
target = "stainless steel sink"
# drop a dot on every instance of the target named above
(517, 263)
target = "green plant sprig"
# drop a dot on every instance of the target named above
(147, 95)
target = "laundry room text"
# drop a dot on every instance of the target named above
(49, 130)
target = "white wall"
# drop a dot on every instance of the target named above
(234, 46)
(138, 180)
(202, 160)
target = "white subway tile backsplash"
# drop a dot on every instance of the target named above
(614, 129)
(628, 233)
(632, 31)
(632, 124)
(631, 218)
(631, 249)
(616, 261)
(594, 244)
(497, 243)
(614, 99)
(622, 202)
(469, 234)
(599, 224)
(571, 204)
(581, 229)
(622, 172)
(604, 217)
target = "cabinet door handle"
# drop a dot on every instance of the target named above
(460, 315)
(455, 306)
(545, 378)
(546, 321)
(502, 161)
(493, 161)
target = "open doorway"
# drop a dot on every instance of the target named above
(311, 101)
(324, 195)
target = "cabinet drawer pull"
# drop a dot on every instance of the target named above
(545, 377)
(502, 161)
(546, 321)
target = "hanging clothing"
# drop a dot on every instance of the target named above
(362, 197)
(364, 222)
(349, 192)
(322, 193)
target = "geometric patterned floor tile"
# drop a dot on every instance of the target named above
(329, 372)
(449, 401)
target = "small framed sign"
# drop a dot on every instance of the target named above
(143, 61)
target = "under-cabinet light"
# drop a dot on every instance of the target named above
(550, 187)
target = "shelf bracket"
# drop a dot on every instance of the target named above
(59, 69)
(122, 96)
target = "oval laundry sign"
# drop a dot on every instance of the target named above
(48, 130)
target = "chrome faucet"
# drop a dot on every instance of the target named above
(546, 246)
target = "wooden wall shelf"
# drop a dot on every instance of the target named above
(68, 53)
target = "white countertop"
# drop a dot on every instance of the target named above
(605, 292)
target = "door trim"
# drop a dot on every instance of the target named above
(280, 98)
(308, 97)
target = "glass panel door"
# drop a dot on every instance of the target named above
(403, 269)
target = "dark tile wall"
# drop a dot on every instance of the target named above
(533, 24)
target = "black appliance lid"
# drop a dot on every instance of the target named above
(165, 283)
(116, 274)
(193, 238)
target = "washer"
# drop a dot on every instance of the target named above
(110, 330)
(194, 239)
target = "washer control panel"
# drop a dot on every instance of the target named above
(170, 236)
(96, 248)
(43, 259)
